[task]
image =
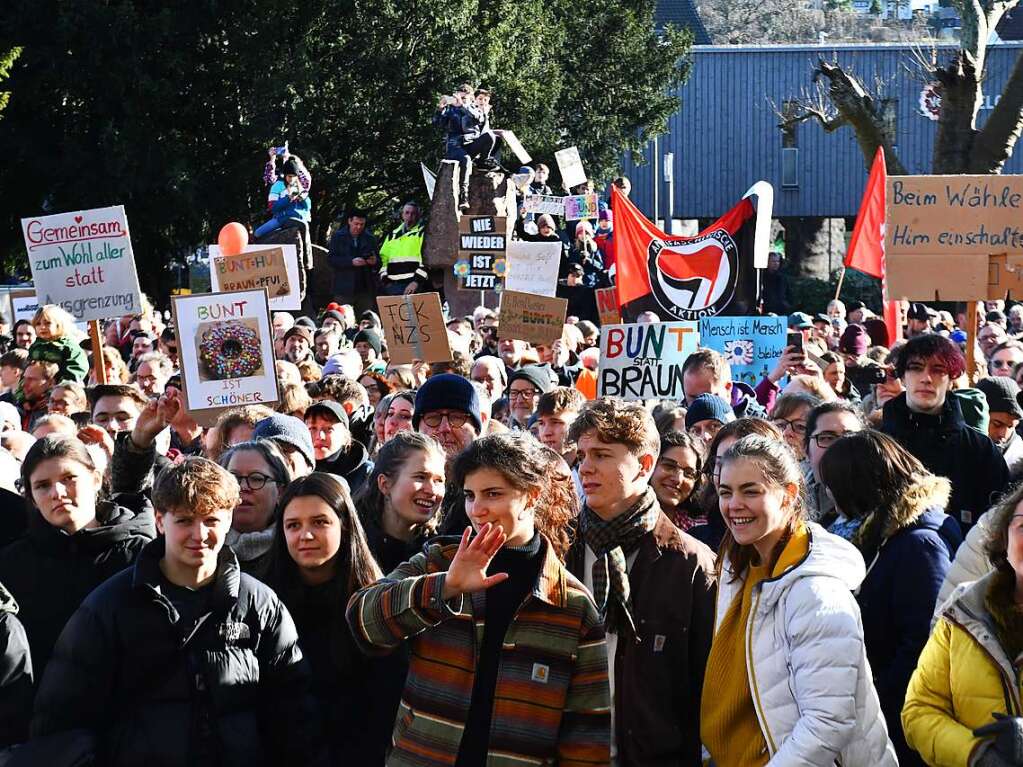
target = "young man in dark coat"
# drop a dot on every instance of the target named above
(929, 424)
(352, 254)
(653, 584)
(183, 659)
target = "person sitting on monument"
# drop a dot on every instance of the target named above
(468, 134)
(288, 201)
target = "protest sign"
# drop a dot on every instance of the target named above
(533, 267)
(544, 203)
(481, 263)
(274, 267)
(225, 344)
(582, 206)
(17, 303)
(750, 345)
(571, 167)
(516, 146)
(83, 262)
(607, 306)
(533, 319)
(429, 179)
(644, 360)
(414, 328)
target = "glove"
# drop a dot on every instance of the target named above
(991, 758)
(1007, 732)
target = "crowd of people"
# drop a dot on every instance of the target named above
(480, 561)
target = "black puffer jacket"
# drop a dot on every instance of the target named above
(949, 448)
(15, 674)
(232, 692)
(50, 572)
(351, 464)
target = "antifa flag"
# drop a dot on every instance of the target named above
(686, 278)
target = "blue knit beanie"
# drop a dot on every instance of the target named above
(708, 407)
(448, 391)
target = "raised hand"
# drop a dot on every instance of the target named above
(468, 570)
(97, 435)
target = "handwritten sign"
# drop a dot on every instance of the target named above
(414, 328)
(533, 267)
(83, 262)
(750, 345)
(954, 215)
(607, 306)
(644, 361)
(516, 146)
(582, 206)
(258, 266)
(533, 319)
(481, 264)
(571, 167)
(225, 344)
(544, 203)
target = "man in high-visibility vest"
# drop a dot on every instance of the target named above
(401, 255)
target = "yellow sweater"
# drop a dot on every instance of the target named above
(729, 727)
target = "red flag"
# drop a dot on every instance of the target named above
(866, 247)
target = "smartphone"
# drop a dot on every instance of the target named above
(795, 338)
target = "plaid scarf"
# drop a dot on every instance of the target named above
(613, 542)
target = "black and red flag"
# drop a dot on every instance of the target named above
(686, 278)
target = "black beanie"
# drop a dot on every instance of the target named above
(291, 167)
(447, 391)
(370, 336)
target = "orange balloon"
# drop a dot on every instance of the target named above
(232, 239)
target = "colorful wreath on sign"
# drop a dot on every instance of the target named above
(739, 352)
(500, 267)
(230, 350)
(462, 268)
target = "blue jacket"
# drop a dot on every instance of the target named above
(284, 209)
(897, 596)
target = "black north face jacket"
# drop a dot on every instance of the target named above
(232, 691)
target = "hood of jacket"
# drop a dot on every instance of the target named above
(898, 418)
(920, 505)
(828, 556)
(126, 516)
(7, 603)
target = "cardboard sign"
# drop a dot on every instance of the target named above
(225, 344)
(533, 319)
(582, 206)
(533, 267)
(17, 303)
(571, 167)
(414, 328)
(954, 216)
(83, 262)
(937, 278)
(274, 267)
(481, 263)
(644, 360)
(544, 203)
(516, 146)
(750, 345)
(607, 306)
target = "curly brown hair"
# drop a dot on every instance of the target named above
(997, 544)
(616, 421)
(196, 485)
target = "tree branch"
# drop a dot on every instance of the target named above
(995, 142)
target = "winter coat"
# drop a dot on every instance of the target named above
(352, 465)
(133, 469)
(15, 674)
(350, 280)
(898, 592)
(806, 661)
(659, 676)
(551, 699)
(1013, 455)
(946, 446)
(449, 119)
(970, 563)
(964, 676)
(63, 352)
(50, 572)
(231, 691)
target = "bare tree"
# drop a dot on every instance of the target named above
(839, 98)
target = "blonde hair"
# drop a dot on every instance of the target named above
(59, 317)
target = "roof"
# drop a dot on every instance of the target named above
(683, 15)
(1011, 25)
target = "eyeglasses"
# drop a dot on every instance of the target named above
(826, 439)
(456, 419)
(523, 394)
(673, 468)
(798, 427)
(256, 480)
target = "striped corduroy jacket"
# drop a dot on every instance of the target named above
(551, 703)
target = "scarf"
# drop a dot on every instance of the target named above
(250, 546)
(613, 542)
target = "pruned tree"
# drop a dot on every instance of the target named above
(840, 99)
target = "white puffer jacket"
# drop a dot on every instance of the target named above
(970, 563)
(808, 671)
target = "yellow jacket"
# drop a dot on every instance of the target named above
(962, 678)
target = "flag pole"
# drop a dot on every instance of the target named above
(841, 277)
